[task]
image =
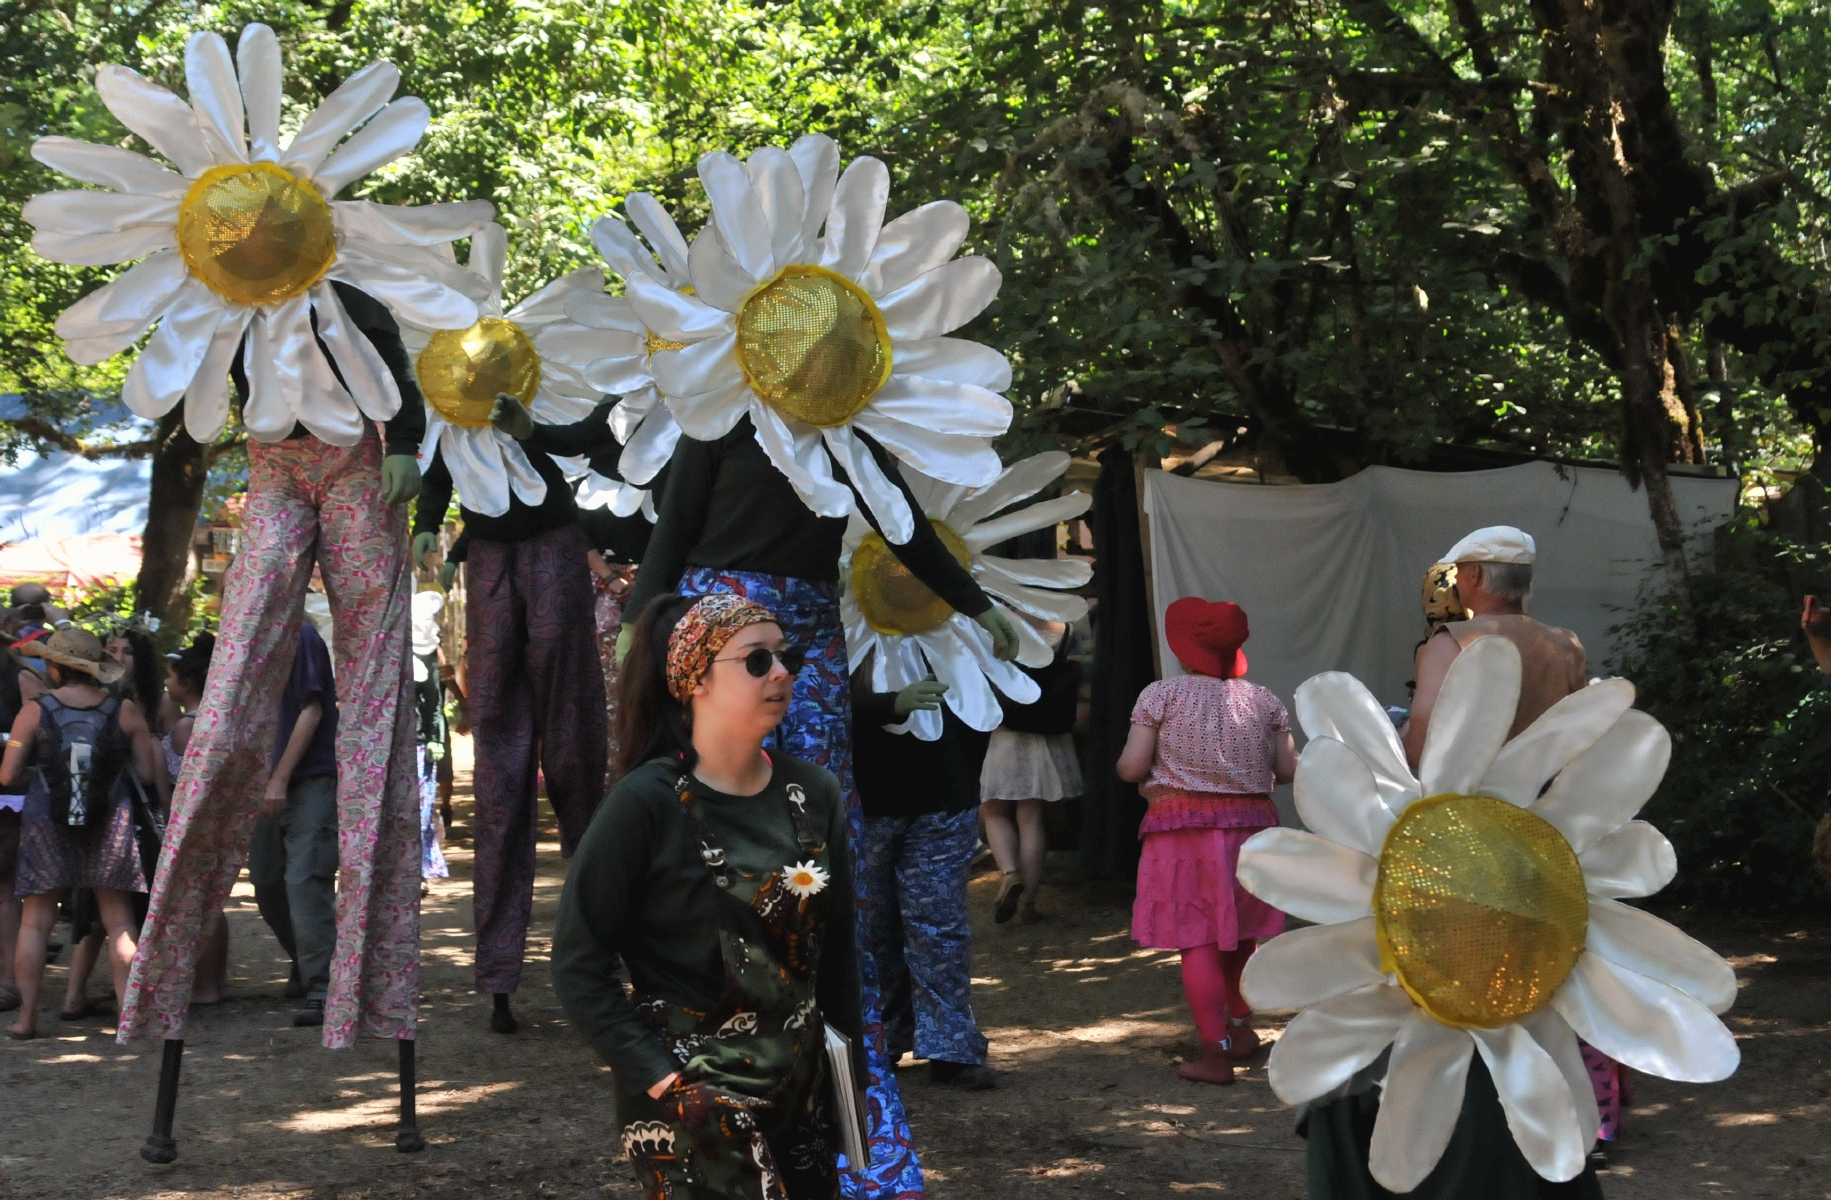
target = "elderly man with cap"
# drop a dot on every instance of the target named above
(1494, 578)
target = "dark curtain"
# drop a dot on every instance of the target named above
(1122, 668)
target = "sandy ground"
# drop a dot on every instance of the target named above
(1085, 1027)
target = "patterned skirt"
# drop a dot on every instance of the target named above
(53, 856)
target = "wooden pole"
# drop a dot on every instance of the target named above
(1141, 462)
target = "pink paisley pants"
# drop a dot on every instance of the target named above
(307, 502)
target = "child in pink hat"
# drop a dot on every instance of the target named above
(1207, 747)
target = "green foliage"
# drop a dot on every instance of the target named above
(1750, 718)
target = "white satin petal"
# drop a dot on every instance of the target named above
(942, 300)
(699, 368)
(257, 62)
(477, 470)
(1310, 965)
(856, 216)
(816, 157)
(1541, 1113)
(1338, 798)
(1555, 1036)
(1604, 787)
(657, 225)
(91, 212)
(776, 183)
(955, 458)
(357, 99)
(130, 303)
(1036, 603)
(1308, 876)
(206, 400)
(941, 406)
(650, 446)
(1039, 572)
(1019, 481)
(414, 224)
(87, 352)
(366, 377)
(565, 344)
(1326, 1043)
(161, 372)
(622, 250)
(608, 313)
(409, 295)
(1643, 943)
(968, 693)
(1649, 1025)
(162, 120)
(801, 455)
(717, 278)
(1563, 731)
(216, 96)
(711, 415)
(274, 382)
(913, 245)
(1028, 519)
(430, 264)
(737, 214)
(324, 406)
(956, 360)
(110, 166)
(1335, 704)
(674, 315)
(1473, 713)
(546, 306)
(104, 249)
(394, 131)
(1635, 860)
(1420, 1103)
(1004, 676)
(885, 500)
(620, 375)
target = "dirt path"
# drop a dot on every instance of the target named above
(1086, 1026)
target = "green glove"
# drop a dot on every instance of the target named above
(1004, 634)
(625, 635)
(509, 416)
(447, 573)
(921, 696)
(423, 544)
(400, 479)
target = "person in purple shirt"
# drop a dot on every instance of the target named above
(293, 860)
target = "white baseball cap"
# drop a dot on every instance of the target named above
(1496, 543)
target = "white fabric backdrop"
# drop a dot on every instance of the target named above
(1329, 574)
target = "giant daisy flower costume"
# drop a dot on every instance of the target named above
(818, 321)
(906, 631)
(534, 352)
(244, 238)
(1472, 909)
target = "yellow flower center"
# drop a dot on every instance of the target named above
(813, 345)
(1480, 909)
(461, 370)
(891, 598)
(255, 233)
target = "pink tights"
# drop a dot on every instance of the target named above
(1211, 981)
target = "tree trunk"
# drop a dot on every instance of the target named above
(180, 468)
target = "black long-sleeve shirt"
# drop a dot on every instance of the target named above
(727, 506)
(899, 774)
(406, 428)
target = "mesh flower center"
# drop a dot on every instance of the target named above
(891, 598)
(813, 345)
(461, 370)
(1480, 908)
(255, 233)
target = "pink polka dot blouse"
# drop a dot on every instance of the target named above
(1213, 736)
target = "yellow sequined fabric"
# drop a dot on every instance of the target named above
(892, 599)
(657, 342)
(813, 346)
(461, 370)
(255, 233)
(1480, 908)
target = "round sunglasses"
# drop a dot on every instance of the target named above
(758, 661)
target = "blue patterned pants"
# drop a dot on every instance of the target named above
(818, 728)
(913, 883)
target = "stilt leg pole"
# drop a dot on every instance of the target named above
(408, 1140)
(160, 1147)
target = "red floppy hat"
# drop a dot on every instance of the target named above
(1207, 637)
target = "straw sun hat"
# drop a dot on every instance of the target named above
(79, 650)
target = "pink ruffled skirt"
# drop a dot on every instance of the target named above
(1188, 895)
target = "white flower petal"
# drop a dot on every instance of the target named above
(942, 300)
(414, 224)
(1555, 1036)
(816, 158)
(409, 294)
(433, 264)
(477, 470)
(737, 214)
(968, 694)
(1541, 1113)
(365, 375)
(801, 455)
(884, 499)
(161, 372)
(270, 359)
(1308, 876)
(88, 352)
(162, 120)
(1027, 519)
(1643, 943)
(674, 315)
(547, 306)
(104, 249)
(599, 311)
(1310, 965)
(717, 278)
(357, 99)
(216, 96)
(257, 62)
(564, 345)
(621, 248)
(92, 212)
(1019, 481)
(394, 131)
(1649, 1025)
(1035, 603)
(1473, 714)
(130, 303)
(776, 182)
(206, 400)
(956, 360)
(1635, 860)
(913, 245)
(1563, 731)
(1325, 1044)
(702, 367)
(657, 225)
(711, 415)
(955, 458)
(325, 407)
(1604, 787)
(650, 447)
(1336, 705)
(110, 166)
(620, 375)
(1039, 572)
(856, 216)
(1421, 1102)
(941, 406)
(1338, 798)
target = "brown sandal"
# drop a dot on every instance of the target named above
(1010, 892)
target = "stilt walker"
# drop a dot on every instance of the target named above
(253, 269)
(536, 690)
(799, 346)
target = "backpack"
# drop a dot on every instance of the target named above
(85, 753)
